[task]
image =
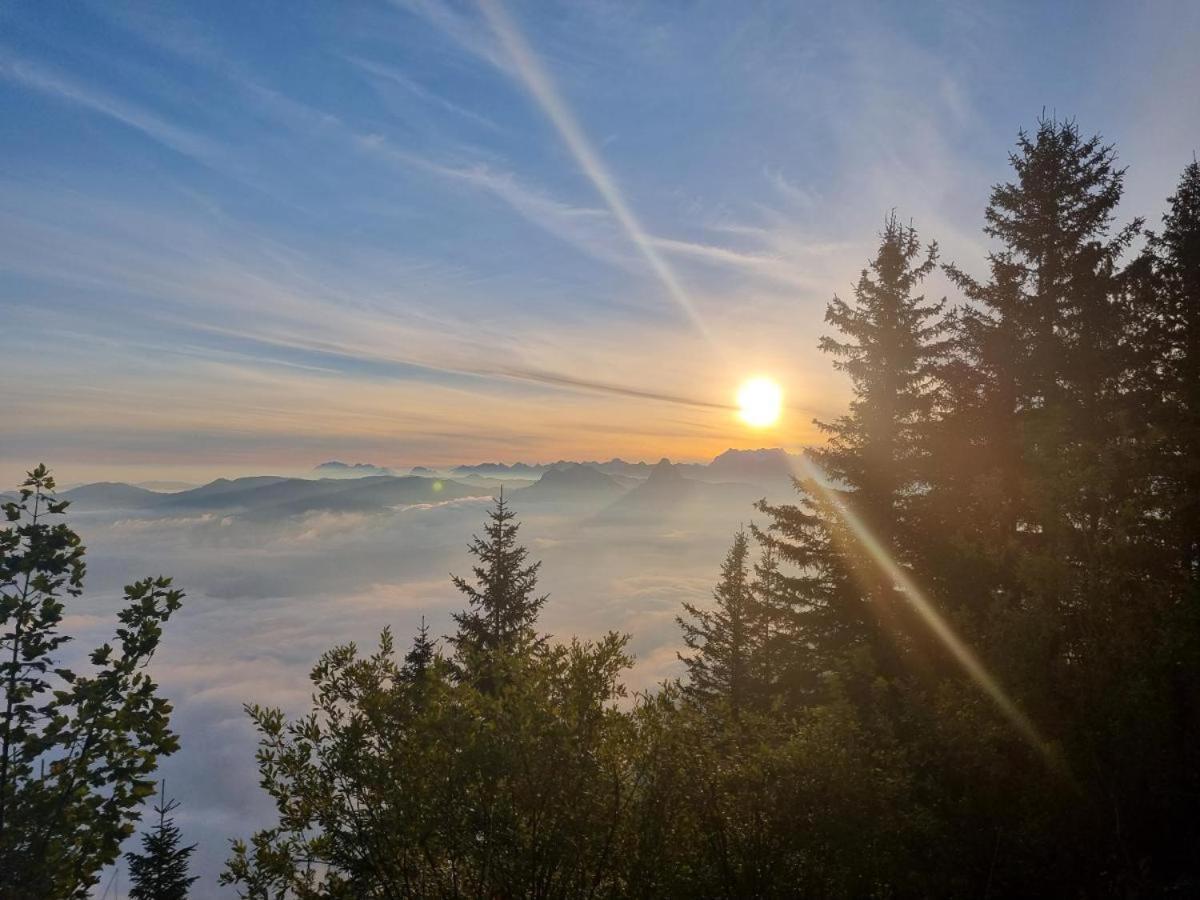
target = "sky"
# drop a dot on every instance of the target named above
(249, 237)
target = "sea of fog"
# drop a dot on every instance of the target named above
(268, 592)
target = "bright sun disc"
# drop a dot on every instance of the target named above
(760, 400)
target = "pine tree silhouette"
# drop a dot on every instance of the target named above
(503, 603)
(891, 342)
(420, 656)
(160, 871)
(723, 637)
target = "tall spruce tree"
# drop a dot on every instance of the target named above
(1053, 401)
(1045, 403)
(1165, 290)
(1045, 332)
(503, 600)
(891, 343)
(721, 671)
(160, 871)
(874, 464)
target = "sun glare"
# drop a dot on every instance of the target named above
(760, 401)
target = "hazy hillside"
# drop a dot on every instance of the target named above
(571, 483)
(765, 466)
(670, 496)
(111, 495)
(217, 493)
(337, 469)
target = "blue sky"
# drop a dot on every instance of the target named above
(251, 236)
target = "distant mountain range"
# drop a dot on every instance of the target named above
(613, 489)
(572, 482)
(766, 464)
(337, 469)
(669, 494)
(111, 495)
(167, 487)
(275, 496)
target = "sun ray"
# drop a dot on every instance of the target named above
(807, 471)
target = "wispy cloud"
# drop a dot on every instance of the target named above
(514, 56)
(387, 230)
(588, 229)
(543, 90)
(393, 75)
(596, 232)
(615, 390)
(66, 89)
(463, 30)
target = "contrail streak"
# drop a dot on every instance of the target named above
(538, 81)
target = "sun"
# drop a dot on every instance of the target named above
(760, 401)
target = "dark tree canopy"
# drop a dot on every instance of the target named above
(409, 780)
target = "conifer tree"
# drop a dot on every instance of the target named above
(1053, 403)
(1043, 411)
(503, 600)
(419, 658)
(723, 637)
(160, 871)
(769, 614)
(1046, 331)
(893, 342)
(1165, 290)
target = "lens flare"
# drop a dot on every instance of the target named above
(763, 401)
(808, 472)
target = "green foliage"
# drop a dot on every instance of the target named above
(512, 792)
(411, 780)
(893, 342)
(160, 871)
(76, 750)
(1021, 469)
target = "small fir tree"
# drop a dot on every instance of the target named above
(503, 603)
(160, 871)
(420, 656)
(723, 637)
